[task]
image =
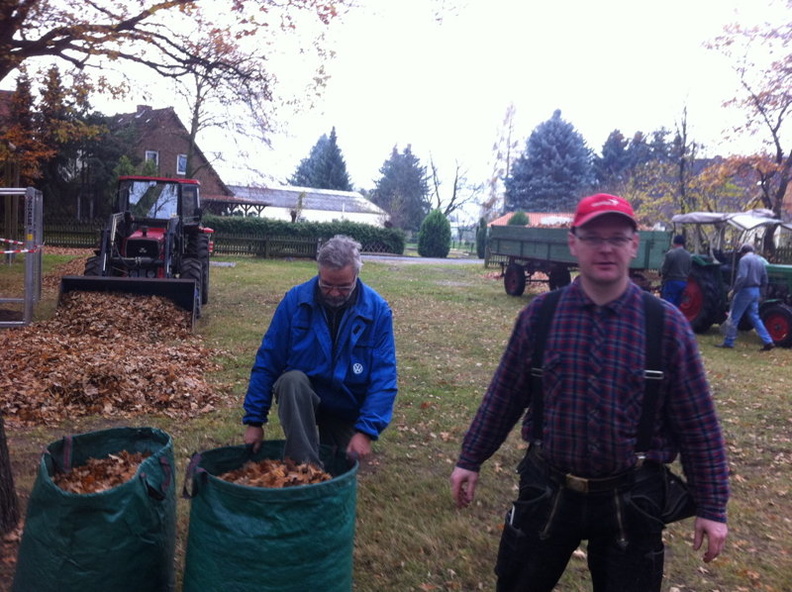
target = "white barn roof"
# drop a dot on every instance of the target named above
(349, 202)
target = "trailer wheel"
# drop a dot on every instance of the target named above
(777, 318)
(558, 277)
(192, 270)
(93, 266)
(514, 280)
(701, 300)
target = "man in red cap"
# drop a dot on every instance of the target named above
(583, 477)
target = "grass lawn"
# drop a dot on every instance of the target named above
(451, 324)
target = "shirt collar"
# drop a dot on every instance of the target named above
(581, 299)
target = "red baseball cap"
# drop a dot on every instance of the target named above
(597, 205)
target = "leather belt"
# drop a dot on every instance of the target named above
(584, 485)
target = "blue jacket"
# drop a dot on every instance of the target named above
(358, 384)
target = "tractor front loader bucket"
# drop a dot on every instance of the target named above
(181, 291)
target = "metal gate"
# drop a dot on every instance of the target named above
(21, 235)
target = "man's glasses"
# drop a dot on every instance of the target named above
(340, 289)
(598, 241)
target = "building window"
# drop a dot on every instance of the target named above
(181, 164)
(152, 155)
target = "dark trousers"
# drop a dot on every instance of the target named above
(548, 522)
(304, 424)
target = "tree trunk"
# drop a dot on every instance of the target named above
(9, 506)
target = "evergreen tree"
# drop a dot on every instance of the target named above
(481, 238)
(662, 149)
(20, 132)
(610, 168)
(639, 152)
(403, 189)
(64, 122)
(434, 237)
(554, 171)
(324, 168)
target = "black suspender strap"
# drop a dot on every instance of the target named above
(653, 375)
(546, 312)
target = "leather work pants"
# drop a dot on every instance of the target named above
(548, 522)
(304, 424)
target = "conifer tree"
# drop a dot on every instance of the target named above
(434, 237)
(403, 189)
(554, 171)
(324, 168)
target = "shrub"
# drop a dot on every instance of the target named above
(481, 239)
(373, 239)
(519, 219)
(434, 237)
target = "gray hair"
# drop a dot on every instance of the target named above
(339, 252)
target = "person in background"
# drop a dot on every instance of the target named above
(329, 359)
(675, 271)
(582, 478)
(747, 290)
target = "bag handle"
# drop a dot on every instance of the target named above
(192, 475)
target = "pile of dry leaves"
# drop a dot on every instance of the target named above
(104, 353)
(276, 473)
(101, 474)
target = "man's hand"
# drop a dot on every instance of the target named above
(716, 537)
(359, 446)
(253, 437)
(463, 486)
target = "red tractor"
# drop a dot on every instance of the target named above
(154, 243)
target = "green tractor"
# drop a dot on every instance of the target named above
(715, 240)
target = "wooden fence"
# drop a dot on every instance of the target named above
(85, 235)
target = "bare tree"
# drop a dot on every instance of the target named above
(460, 194)
(85, 32)
(504, 150)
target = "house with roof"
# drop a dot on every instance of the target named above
(161, 137)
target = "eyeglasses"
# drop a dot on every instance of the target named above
(340, 289)
(598, 241)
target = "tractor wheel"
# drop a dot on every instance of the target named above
(701, 300)
(204, 281)
(93, 266)
(777, 318)
(192, 269)
(558, 277)
(514, 280)
(198, 248)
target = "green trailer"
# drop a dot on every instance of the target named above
(526, 251)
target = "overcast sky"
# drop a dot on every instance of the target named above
(408, 72)
(440, 74)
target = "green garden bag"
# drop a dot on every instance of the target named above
(122, 539)
(292, 539)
